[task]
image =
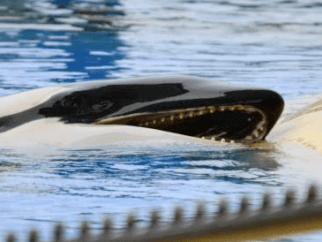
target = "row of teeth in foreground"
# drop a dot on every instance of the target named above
(259, 131)
(194, 112)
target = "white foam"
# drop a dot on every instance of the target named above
(46, 27)
(56, 43)
(102, 53)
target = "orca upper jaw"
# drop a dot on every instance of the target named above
(238, 116)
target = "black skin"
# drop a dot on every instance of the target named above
(93, 101)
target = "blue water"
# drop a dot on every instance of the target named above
(274, 44)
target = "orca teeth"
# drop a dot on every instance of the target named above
(256, 133)
(169, 117)
(240, 107)
(211, 109)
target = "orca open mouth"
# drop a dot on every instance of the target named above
(234, 123)
(189, 106)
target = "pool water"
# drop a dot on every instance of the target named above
(276, 45)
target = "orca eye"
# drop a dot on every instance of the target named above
(102, 106)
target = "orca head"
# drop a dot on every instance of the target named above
(185, 105)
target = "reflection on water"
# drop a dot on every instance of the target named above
(274, 44)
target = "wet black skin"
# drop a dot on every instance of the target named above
(94, 101)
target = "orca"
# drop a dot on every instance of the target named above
(173, 106)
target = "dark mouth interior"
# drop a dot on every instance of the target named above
(240, 124)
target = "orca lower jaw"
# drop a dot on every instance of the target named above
(226, 123)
